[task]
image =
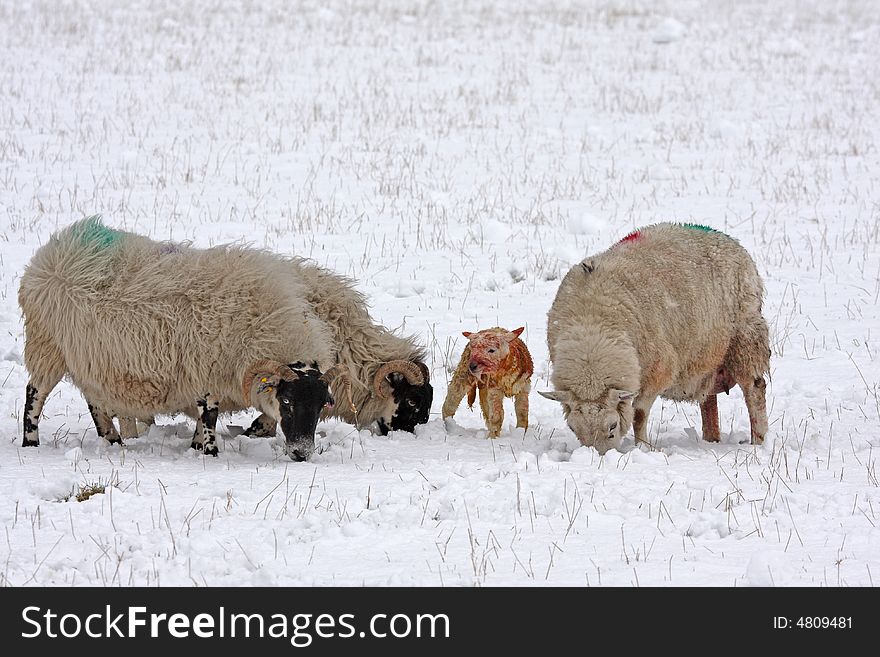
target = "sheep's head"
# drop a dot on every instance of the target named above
(601, 423)
(489, 348)
(294, 396)
(406, 387)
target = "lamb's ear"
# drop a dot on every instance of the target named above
(467, 334)
(556, 395)
(510, 336)
(622, 395)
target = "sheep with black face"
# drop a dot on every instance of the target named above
(380, 377)
(145, 328)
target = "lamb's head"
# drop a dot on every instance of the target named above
(601, 423)
(489, 349)
(294, 396)
(406, 387)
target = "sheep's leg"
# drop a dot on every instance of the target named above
(754, 391)
(521, 405)
(641, 408)
(263, 427)
(709, 413)
(198, 435)
(46, 365)
(104, 425)
(208, 410)
(33, 409)
(495, 419)
(458, 388)
(128, 427)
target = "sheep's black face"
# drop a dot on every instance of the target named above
(413, 404)
(300, 403)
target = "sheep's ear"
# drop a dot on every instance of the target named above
(510, 336)
(556, 395)
(262, 388)
(623, 395)
(467, 334)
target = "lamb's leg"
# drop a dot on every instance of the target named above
(33, 409)
(521, 405)
(484, 404)
(495, 418)
(263, 427)
(641, 409)
(754, 392)
(208, 410)
(104, 425)
(458, 388)
(709, 413)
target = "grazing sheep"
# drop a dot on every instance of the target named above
(670, 310)
(498, 364)
(144, 327)
(386, 382)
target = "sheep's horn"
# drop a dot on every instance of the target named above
(425, 373)
(414, 375)
(341, 372)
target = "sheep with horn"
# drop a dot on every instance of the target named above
(380, 377)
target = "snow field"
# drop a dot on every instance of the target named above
(456, 158)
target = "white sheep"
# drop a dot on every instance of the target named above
(670, 310)
(145, 327)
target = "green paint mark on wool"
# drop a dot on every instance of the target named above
(92, 231)
(705, 229)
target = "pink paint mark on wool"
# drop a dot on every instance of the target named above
(632, 237)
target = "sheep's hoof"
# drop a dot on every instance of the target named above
(258, 432)
(114, 441)
(30, 443)
(211, 450)
(196, 446)
(250, 432)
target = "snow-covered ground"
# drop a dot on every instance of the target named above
(457, 157)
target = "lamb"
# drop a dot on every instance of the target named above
(498, 364)
(145, 327)
(671, 310)
(384, 376)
